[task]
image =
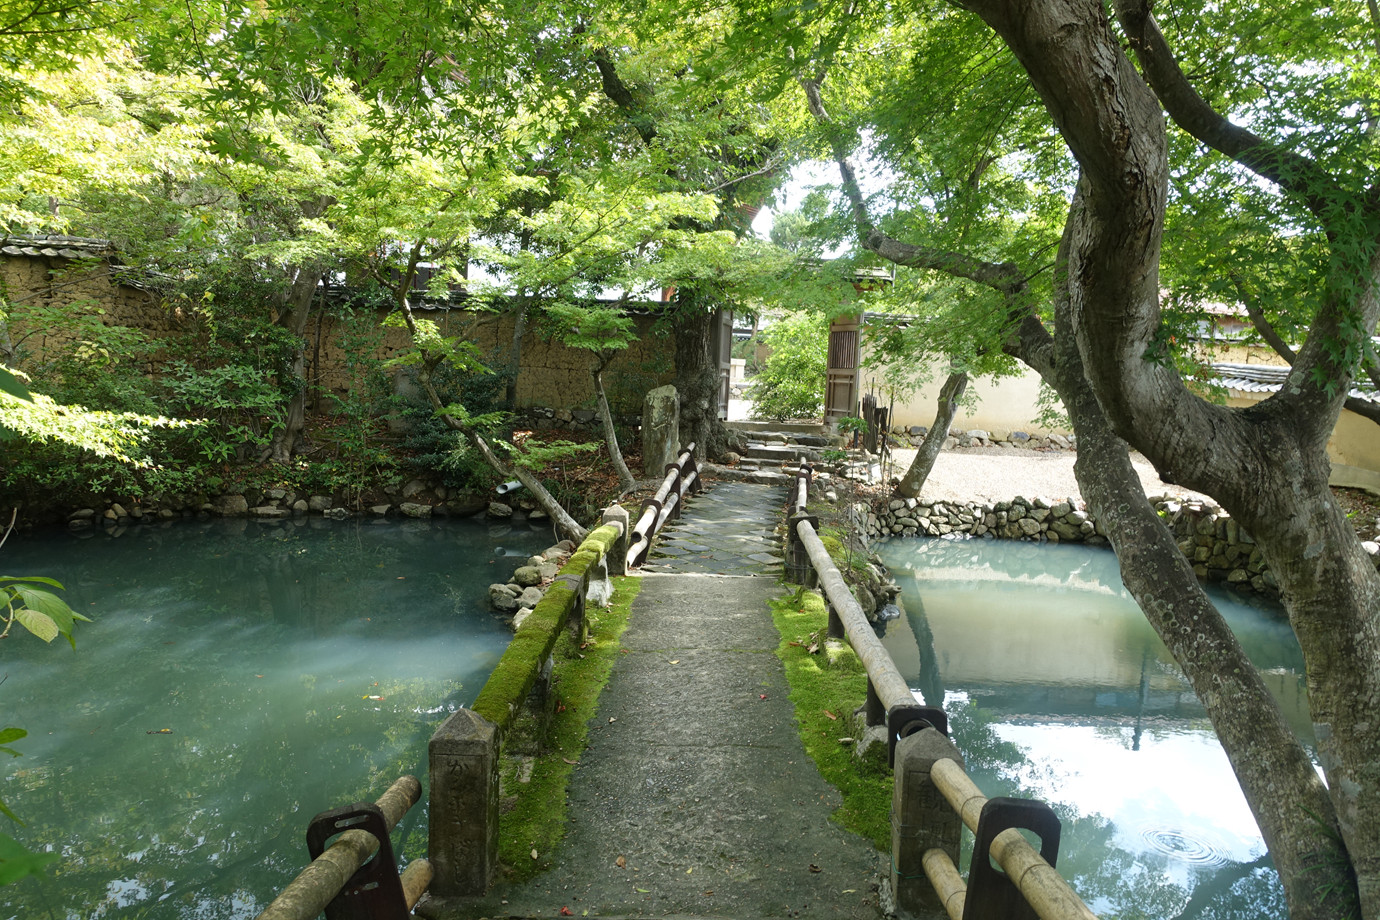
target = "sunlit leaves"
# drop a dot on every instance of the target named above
(106, 434)
(41, 612)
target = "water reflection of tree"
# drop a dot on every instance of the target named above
(931, 679)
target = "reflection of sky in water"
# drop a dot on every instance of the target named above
(1065, 694)
(1178, 783)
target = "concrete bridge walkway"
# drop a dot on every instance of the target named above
(695, 797)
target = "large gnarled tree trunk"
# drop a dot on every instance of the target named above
(697, 377)
(1267, 465)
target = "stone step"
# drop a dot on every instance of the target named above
(780, 453)
(783, 427)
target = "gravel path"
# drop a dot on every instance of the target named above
(1000, 474)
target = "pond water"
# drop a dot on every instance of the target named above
(1058, 689)
(238, 678)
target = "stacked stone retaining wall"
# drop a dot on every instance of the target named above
(1217, 546)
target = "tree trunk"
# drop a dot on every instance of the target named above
(625, 478)
(697, 376)
(565, 525)
(949, 395)
(294, 318)
(7, 350)
(515, 354)
(1276, 775)
(1265, 464)
(1293, 809)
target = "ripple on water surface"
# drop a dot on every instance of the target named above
(1193, 846)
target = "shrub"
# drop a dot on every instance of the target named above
(791, 385)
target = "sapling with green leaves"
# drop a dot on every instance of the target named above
(604, 332)
(430, 350)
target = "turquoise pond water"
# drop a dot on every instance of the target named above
(295, 666)
(1058, 689)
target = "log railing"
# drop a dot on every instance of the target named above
(334, 881)
(931, 792)
(682, 479)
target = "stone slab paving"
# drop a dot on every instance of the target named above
(727, 529)
(696, 779)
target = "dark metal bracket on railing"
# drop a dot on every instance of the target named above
(903, 721)
(991, 893)
(375, 891)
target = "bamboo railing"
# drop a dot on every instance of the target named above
(313, 890)
(682, 479)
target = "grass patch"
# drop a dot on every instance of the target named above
(834, 683)
(540, 750)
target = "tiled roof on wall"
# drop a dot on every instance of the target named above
(1268, 378)
(65, 247)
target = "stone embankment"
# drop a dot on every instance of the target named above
(977, 437)
(414, 499)
(1217, 546)
(519, 597)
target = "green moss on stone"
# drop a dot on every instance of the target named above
(582, 561)
(534, 812)
(501, 698)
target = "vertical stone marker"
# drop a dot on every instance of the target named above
(660, 430)
(463, 846)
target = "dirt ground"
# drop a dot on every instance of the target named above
(998, 474)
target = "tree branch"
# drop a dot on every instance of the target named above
(1292, 172)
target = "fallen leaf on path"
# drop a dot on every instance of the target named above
(567, 912)
(675, 661)
(161, 731)
(642, 890)
(534, 854)
(620, 862)
(761, 696)
(814, 868)
(571, 762)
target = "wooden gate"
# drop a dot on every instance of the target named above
(841, 380)
(722, 347)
